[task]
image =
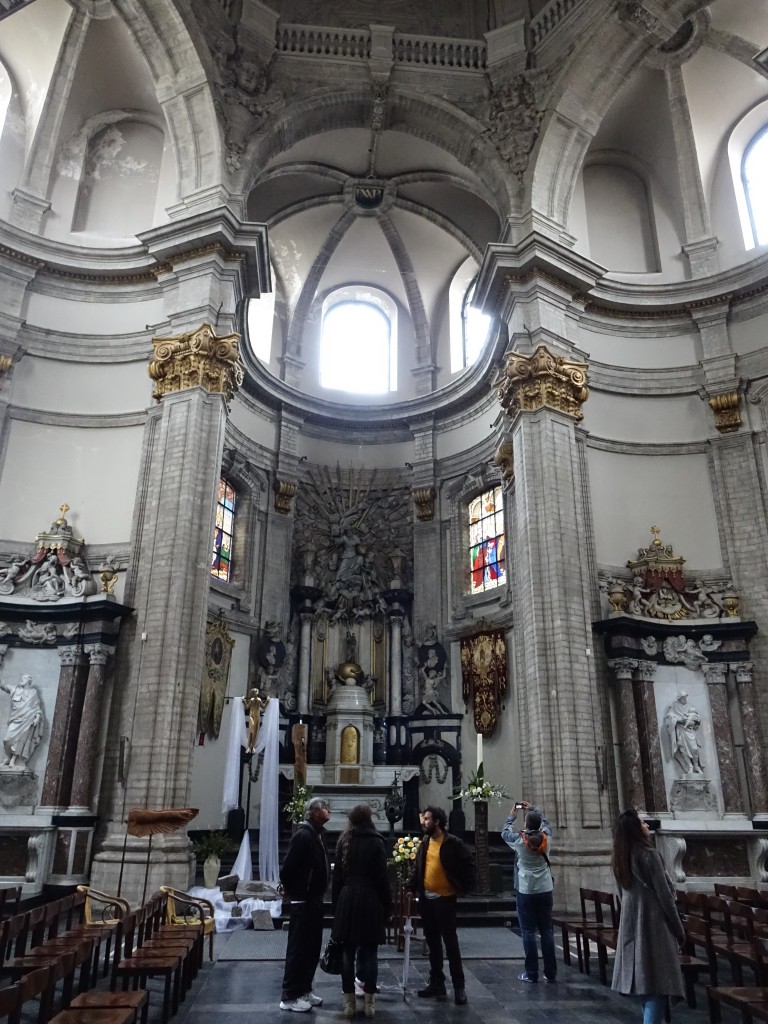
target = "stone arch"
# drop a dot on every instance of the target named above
(426, 118)
(172, 46)
(584, 94)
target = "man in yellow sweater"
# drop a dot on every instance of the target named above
(443, 870)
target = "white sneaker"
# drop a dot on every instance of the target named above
(359, 990)
(312, 999)
(297, 1005)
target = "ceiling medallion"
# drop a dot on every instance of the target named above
(369, 196)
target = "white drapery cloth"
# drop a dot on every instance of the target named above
(267, 742)
(243, 866)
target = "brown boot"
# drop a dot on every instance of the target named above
(370, 1005)
(349, 1004)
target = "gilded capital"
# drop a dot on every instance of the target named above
(5, 364)
(285, 492)
(542, 380)
(727, 410)
(424, 500)
(198, 359)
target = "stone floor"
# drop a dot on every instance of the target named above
(247, 991)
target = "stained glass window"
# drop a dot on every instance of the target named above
(221, 564)
(486, 541)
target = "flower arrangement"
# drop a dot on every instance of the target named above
(479, 789)
(403, 854)
(213, 844)
(297, 805)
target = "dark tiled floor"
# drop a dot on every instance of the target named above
(248, 991)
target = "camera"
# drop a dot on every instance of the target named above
(519, 807)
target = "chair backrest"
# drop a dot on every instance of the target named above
(715, 911)
(49, 926)
(100, 907)
(10, 896)
(184, 909)
(754, 897)
(9, 1001)
(125, 936)
(13, 936)
(727, 891)
(600, 905)
(40, 983)
(739, 920)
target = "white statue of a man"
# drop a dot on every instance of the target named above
(25, 723)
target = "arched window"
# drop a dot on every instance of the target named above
(475, 326)
(260, 325)
(754, 175)
(486, 541)
(469, 328)
(221, 563)
(358, 350)
(5, 94)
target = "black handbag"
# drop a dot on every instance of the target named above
(330, 961)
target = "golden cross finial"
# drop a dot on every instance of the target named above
(64, 509)
(656, 534)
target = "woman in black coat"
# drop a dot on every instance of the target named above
(361, 905)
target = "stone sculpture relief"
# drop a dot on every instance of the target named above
(56, 570)
(693, 654)
(433, 673)
(514, 119)
(349, 525)
(659, 589)
(24, 728)
(409, 670)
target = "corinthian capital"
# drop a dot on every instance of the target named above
(199, 359)
(529, 383)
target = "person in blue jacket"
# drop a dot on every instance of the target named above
(533, 882)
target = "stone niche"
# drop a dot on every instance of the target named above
(684, 719)
(58, 632)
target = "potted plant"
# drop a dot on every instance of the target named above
(210, 848)
(296, 806)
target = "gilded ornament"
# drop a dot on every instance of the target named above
(727, 410)
(529, 383)
(504, 458)
(5, 364)
(199, 359)
(424, 500)
(285, 492)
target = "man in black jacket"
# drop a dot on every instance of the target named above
(304, 877)
(442, 871)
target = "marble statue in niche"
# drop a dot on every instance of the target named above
(682, 722)
(24, 728)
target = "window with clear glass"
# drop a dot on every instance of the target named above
(486, 541)
(357, 353)
(475, 327)
(755, 177)
(221, 564)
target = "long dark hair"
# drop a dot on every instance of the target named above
(359, 817)
(629, 834)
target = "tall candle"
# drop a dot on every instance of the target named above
(479, 750)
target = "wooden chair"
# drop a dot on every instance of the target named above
(95, 915)
(568, 924)
(727, 892)
(184, 911)
(602, 928)
(36, 985)
(130, 964)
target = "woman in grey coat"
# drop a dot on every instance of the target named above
(647, 962)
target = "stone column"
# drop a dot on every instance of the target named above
(650, 739)
(629, 737)
(724, 739)
(65, 726)
(305, 640)
(90, 722)
(156, 702)
(753, 747)
(395, 662)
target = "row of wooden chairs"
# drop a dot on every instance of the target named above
(165, 938)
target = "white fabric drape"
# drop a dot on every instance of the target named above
(243, 866)
(238, 737)
(267, 741)
(269, 861)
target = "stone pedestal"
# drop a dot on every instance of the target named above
(692, 795)
(349, 709)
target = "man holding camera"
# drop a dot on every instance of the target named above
(533, 882)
